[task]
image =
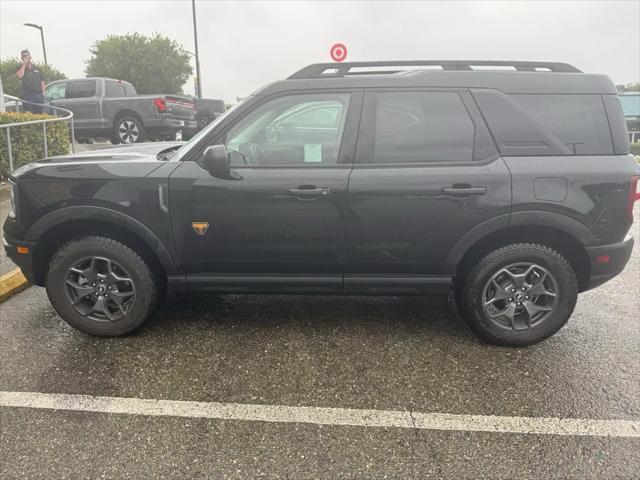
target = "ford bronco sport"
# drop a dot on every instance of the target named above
(509, 183)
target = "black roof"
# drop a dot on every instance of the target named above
(509, 77)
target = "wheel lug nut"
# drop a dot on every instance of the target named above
(513, 290)
(519, 303)
(523, 289)
(526, 297)
(510, 299)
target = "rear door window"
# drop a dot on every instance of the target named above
(128, 88)
(417, 127)
(82, 89)
(115, 89)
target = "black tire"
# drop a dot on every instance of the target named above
(128, 129)
(474, 292)
(139, 298)
(203, 120)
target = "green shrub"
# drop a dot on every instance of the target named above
(634, 149)
(27, 143)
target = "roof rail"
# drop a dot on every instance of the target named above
(332, 70)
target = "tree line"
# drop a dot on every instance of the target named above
(153, 64)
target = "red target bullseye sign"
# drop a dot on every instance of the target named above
(338, 52)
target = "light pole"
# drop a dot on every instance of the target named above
(195, 38)
(39, 27)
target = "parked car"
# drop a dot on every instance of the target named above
(207, 110)
(103, 107)
(513, 189)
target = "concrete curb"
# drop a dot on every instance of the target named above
(12, 283)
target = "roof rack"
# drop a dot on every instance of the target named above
(332, 70)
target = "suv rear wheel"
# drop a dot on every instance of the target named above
(518, 295)
(100, 286)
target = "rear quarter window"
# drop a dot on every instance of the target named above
(578, 121)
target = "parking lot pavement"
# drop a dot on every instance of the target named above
(390, 354)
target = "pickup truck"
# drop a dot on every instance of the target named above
(104, 107)
(207, 110)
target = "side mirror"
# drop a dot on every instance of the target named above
(216, 161)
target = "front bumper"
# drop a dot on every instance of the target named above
(607, 261)
(11, 241)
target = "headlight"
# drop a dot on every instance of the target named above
(12, 213)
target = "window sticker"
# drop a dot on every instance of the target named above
(312, 153)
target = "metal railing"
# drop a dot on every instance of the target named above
(67, 118)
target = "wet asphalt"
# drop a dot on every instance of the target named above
(388, 353)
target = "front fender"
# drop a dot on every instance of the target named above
(60, 216)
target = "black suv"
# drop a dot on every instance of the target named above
(514, 189)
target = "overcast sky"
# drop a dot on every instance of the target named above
(245, 44)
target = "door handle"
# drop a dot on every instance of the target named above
(309, 191)
(464, 190)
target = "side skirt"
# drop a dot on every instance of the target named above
(303, 284)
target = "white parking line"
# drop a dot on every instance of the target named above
(321, 416)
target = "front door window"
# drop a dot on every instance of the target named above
(56, 91)
(291, 130)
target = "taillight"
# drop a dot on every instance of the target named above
(161, 104)
(634, 195)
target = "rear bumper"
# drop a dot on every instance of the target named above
(168, 124)
(607, 261)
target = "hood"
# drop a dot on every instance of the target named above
(133, 161)
(137, 151)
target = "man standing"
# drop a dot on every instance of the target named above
(32, 83)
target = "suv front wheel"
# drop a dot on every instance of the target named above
(518, 295)
(100, 286)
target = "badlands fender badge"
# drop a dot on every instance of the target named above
(200, 227)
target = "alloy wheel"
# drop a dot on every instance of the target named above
(128, 131)
(100, 289)
(520, 296)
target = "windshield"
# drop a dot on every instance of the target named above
(182, 151)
